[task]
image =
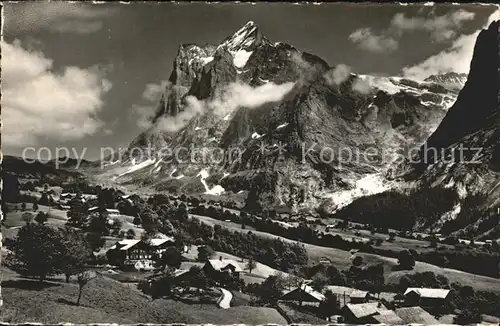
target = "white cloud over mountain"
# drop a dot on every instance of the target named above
(367, 40)
(456, 58)
(441, 28)
(39, 104)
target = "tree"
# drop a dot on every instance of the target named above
(468, 315)
(95, 241)
(199, 279)
(76, 252)
(37, 251)
(330, 306)
(130, 234)
(251, 264)
(170, 257)
(137, 221)
(335, 277)
(270, 290)
(44, 199)
(205, 253)
(357, 261)
(41, 217)
(319, 281)
(77, 214)
(406, 260)
(23, 207)
(35, 207)
(27, 217)
(83, 279)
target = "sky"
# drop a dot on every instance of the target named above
(80, 76)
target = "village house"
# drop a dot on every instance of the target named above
(222, 265)
(347, 295)
(363, 313)
(425, 297)
(303, 293)
(130, 251)
(358, 296)
(416, 315)
(388, 317)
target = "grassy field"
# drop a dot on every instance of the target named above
(258, 275)
(107, 301)
(343, 260)
(14, 217)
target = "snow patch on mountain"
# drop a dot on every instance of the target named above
(216, 190)
(370, 184)
(136, 167)
(240, 58)
(255, 135)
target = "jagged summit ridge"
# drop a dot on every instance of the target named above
(246, 38)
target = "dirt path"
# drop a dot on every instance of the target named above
(224, 302)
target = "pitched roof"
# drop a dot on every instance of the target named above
(219, 264)
(361, 310)
(428, 292)
(158, 242)
(358, 294)
(300, 292)
(339, 290)
(388, 317)
(126, 244)
(416, 315)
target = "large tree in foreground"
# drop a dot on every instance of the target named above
(75, 252)
(37, 251)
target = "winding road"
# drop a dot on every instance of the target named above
(224, 302)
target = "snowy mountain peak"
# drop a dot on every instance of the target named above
(246, 38)
(451, 79)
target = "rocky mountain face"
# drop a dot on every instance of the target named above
(464, 151)
(303, 134)
(451, 80)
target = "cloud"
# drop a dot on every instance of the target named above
(305, 69)
(226, 101)
(442, 28)
(57, 16)
(337, 75)
(361, 86)
(456, 58)
(153, 91)
(39, 104)
(143, 114)
(367, 40)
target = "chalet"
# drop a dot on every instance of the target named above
(131, 251)
(388, 317)
(425, 297)
(341, 292)
(363, 313)
(222, 265)
(416, 315)
(303, 293)
(358, 296)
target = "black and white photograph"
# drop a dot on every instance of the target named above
(250, 163)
